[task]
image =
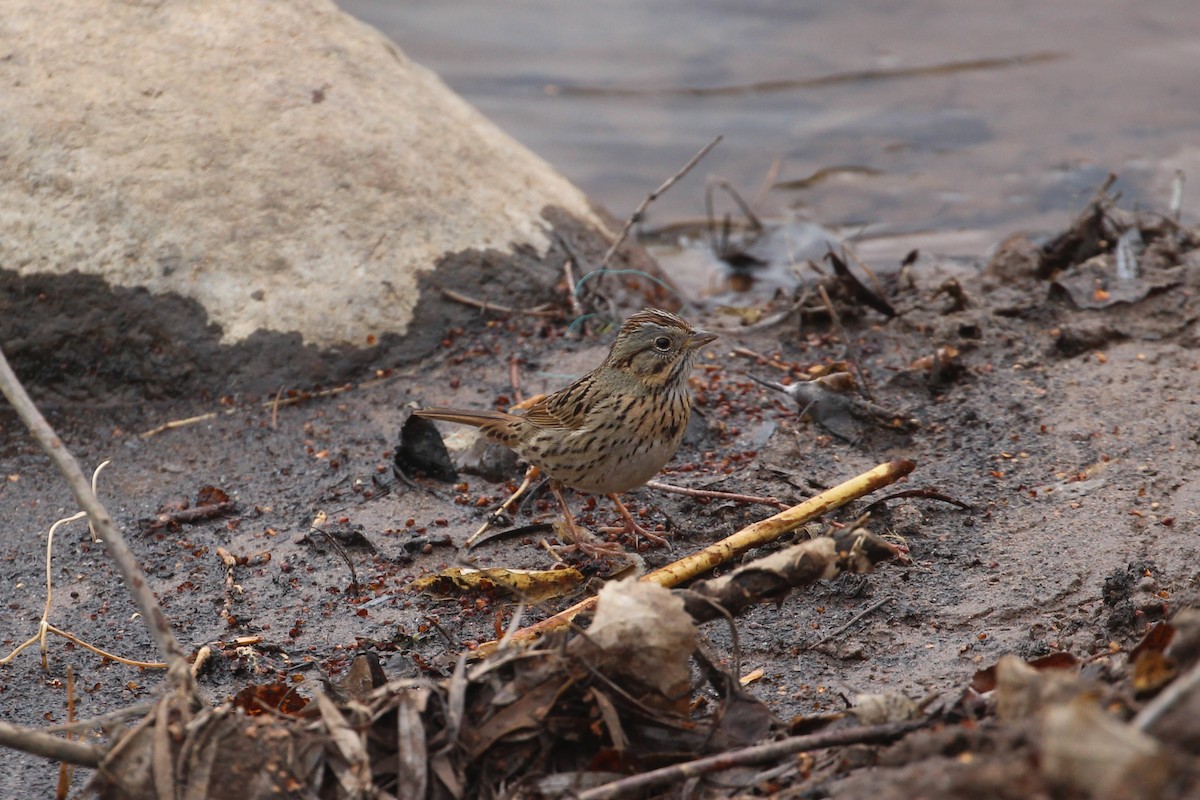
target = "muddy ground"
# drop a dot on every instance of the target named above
(1072, 433)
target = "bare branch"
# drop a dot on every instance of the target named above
(650, 198)
(43, 744)
(178, 673)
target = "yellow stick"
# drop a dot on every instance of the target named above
(754, 535)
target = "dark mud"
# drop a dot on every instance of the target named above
(1071, 432)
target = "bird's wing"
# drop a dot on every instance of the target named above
(567, 408)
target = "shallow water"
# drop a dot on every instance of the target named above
(938, 125)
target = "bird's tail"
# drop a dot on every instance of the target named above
(478, 419)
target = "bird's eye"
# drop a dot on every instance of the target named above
(662, 343)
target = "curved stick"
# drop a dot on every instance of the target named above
(177, 672)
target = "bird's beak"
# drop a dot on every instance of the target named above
(698, 338)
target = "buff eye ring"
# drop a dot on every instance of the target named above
(662, 344)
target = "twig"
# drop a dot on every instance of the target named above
(514, 376)
(503, 510)
(851, 350)
(318, 525)
(572, 295)
(856, 77)
(747, 211)
(43, 744)
(95, 477)
(131, 572)
(927, 494)
(650, 198)
(275, 409)
(771, 320)
(202, 657)
(65, 770)
(197, 514)
(770, 362)
(635, 785)
(572, 258)
(102, 721)
(871, 276)
(878, 604)
(44, 626)
(483, 305)
(183, 423)
(767, 183)
(229, 562)
(739, 498)
(274, 404)
(754, 535)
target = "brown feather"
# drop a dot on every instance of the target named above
(477, 419)
(497, 426)
(567, 408)
(614, 428)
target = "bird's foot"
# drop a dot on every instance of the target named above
(631, 525)
(581, 540)
(594, 549)
(638, 532)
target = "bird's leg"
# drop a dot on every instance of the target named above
(632, 526)
(572, 529)
(581, 540)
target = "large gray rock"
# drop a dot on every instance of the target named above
(270, 177)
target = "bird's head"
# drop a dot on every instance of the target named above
(657, 348)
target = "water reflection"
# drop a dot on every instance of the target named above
(935, 125)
